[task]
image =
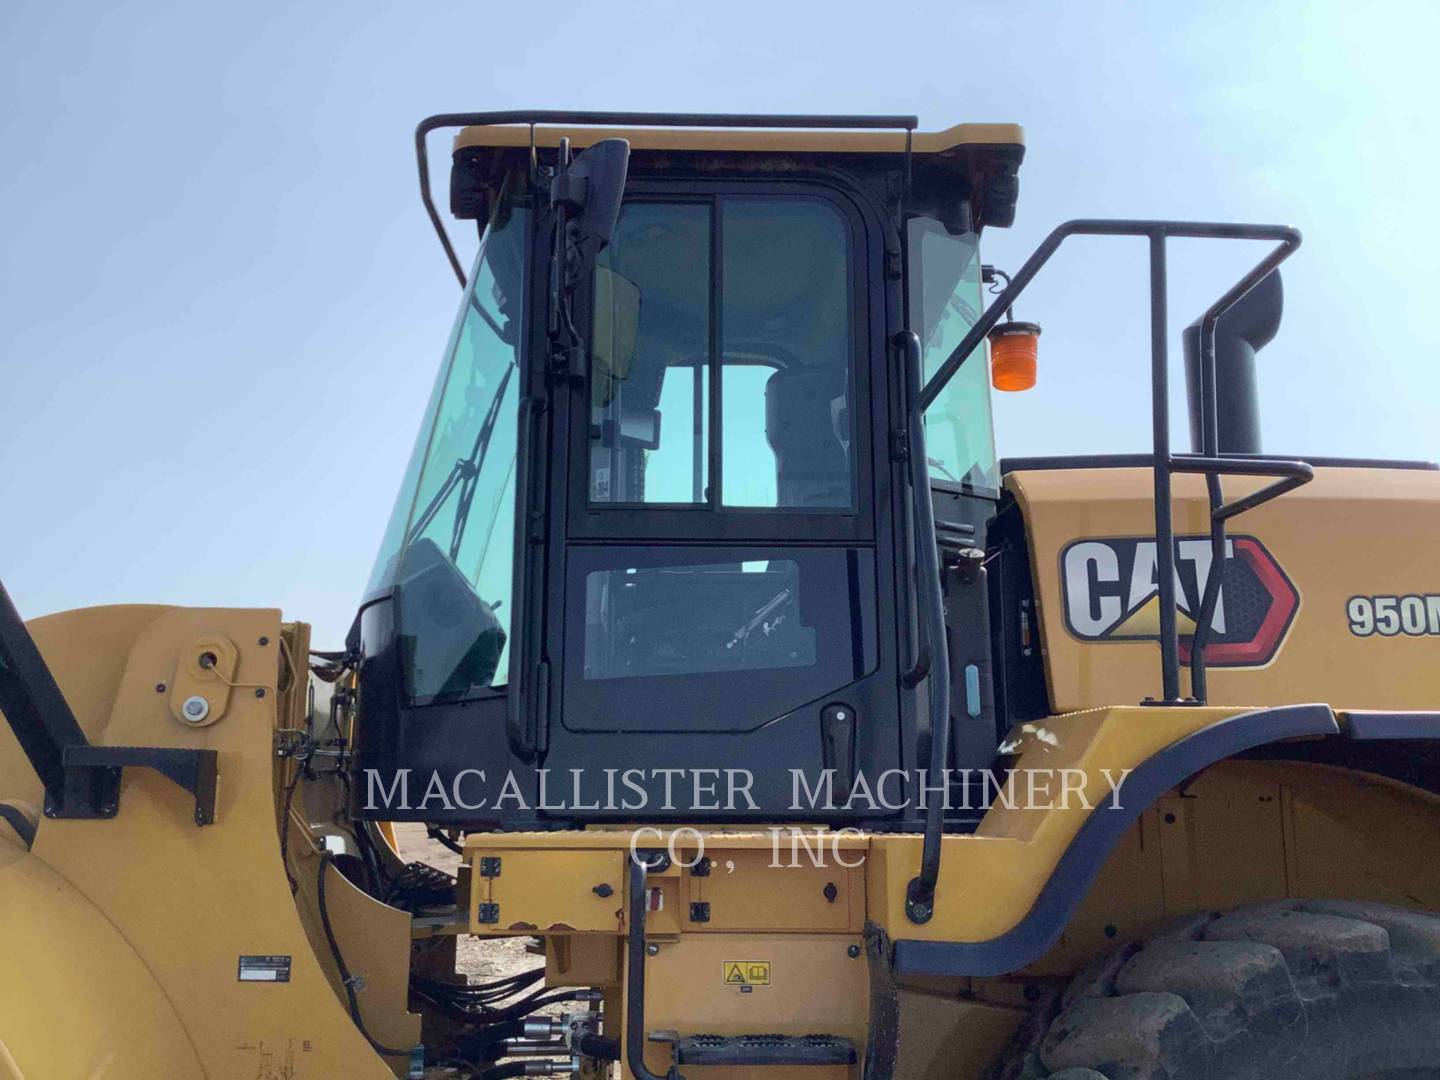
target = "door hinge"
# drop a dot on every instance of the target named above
(900, 445)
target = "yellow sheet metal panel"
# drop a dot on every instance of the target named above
(758, 140)
(78, 1001)
(1355, 836)
(989, 880)
(811, 984)
(1244, 832)
(192, 901)
(1350, 532)
(784, 890)
(583, 960)
(87, 651)
(951, 1037)
(682, 837)
(546, 892)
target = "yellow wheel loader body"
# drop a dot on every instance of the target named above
(147, 924)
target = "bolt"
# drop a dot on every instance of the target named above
(603, 890)
(208, 660)
(652, 950)
(1169, 819)
(264, 641)
(159, 687)
(1110, 931)
(195, 709)
(259, 691)
(852, 951)
(922, 912)
(830, 892)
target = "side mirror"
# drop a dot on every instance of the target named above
(591, 189)
(586, 194)
(613, 336)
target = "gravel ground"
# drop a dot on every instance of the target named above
(481, 959)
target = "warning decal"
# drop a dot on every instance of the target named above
(746, 973)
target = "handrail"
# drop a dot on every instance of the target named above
(635, 900)
(622, 119)
(1291, 473)
(932, 662)
(1211, 462)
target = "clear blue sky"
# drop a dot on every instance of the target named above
(222, 306)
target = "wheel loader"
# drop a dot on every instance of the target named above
(778, 728)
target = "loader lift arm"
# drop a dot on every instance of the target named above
(81, 780)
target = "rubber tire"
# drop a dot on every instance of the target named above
(1304, 990)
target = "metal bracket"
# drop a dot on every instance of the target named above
(81, 780)
(92, 778)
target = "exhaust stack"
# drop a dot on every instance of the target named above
(1241, 333)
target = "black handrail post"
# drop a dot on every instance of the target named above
(1214, 492)
(33, 704)
(920, 893)
(635, 974)
(1164, 522)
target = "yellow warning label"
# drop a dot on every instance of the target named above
(746, 972)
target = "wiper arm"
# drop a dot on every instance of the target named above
(477, 459)
(463, 475)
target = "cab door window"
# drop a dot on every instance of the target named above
(752, 295)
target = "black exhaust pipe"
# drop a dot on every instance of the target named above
(1241, 333)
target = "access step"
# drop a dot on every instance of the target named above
(759, 1049)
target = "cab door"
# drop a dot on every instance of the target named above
(720, 599)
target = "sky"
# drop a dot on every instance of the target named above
(222, 305)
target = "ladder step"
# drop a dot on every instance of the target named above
(759, 1049)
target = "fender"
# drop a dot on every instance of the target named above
(1086, 854)
(1395, 745)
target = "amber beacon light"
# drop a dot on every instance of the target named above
(1014, 350)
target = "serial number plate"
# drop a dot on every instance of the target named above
(265, 969)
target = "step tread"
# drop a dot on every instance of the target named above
(760, 1049)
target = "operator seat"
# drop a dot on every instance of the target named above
(805, 413)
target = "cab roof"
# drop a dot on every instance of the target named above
(976, 163)
(753, 140)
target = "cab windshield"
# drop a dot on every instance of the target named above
(448, 549)
(945, 302)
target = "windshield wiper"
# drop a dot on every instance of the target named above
(464, 475)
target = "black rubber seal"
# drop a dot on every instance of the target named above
(17, 820)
